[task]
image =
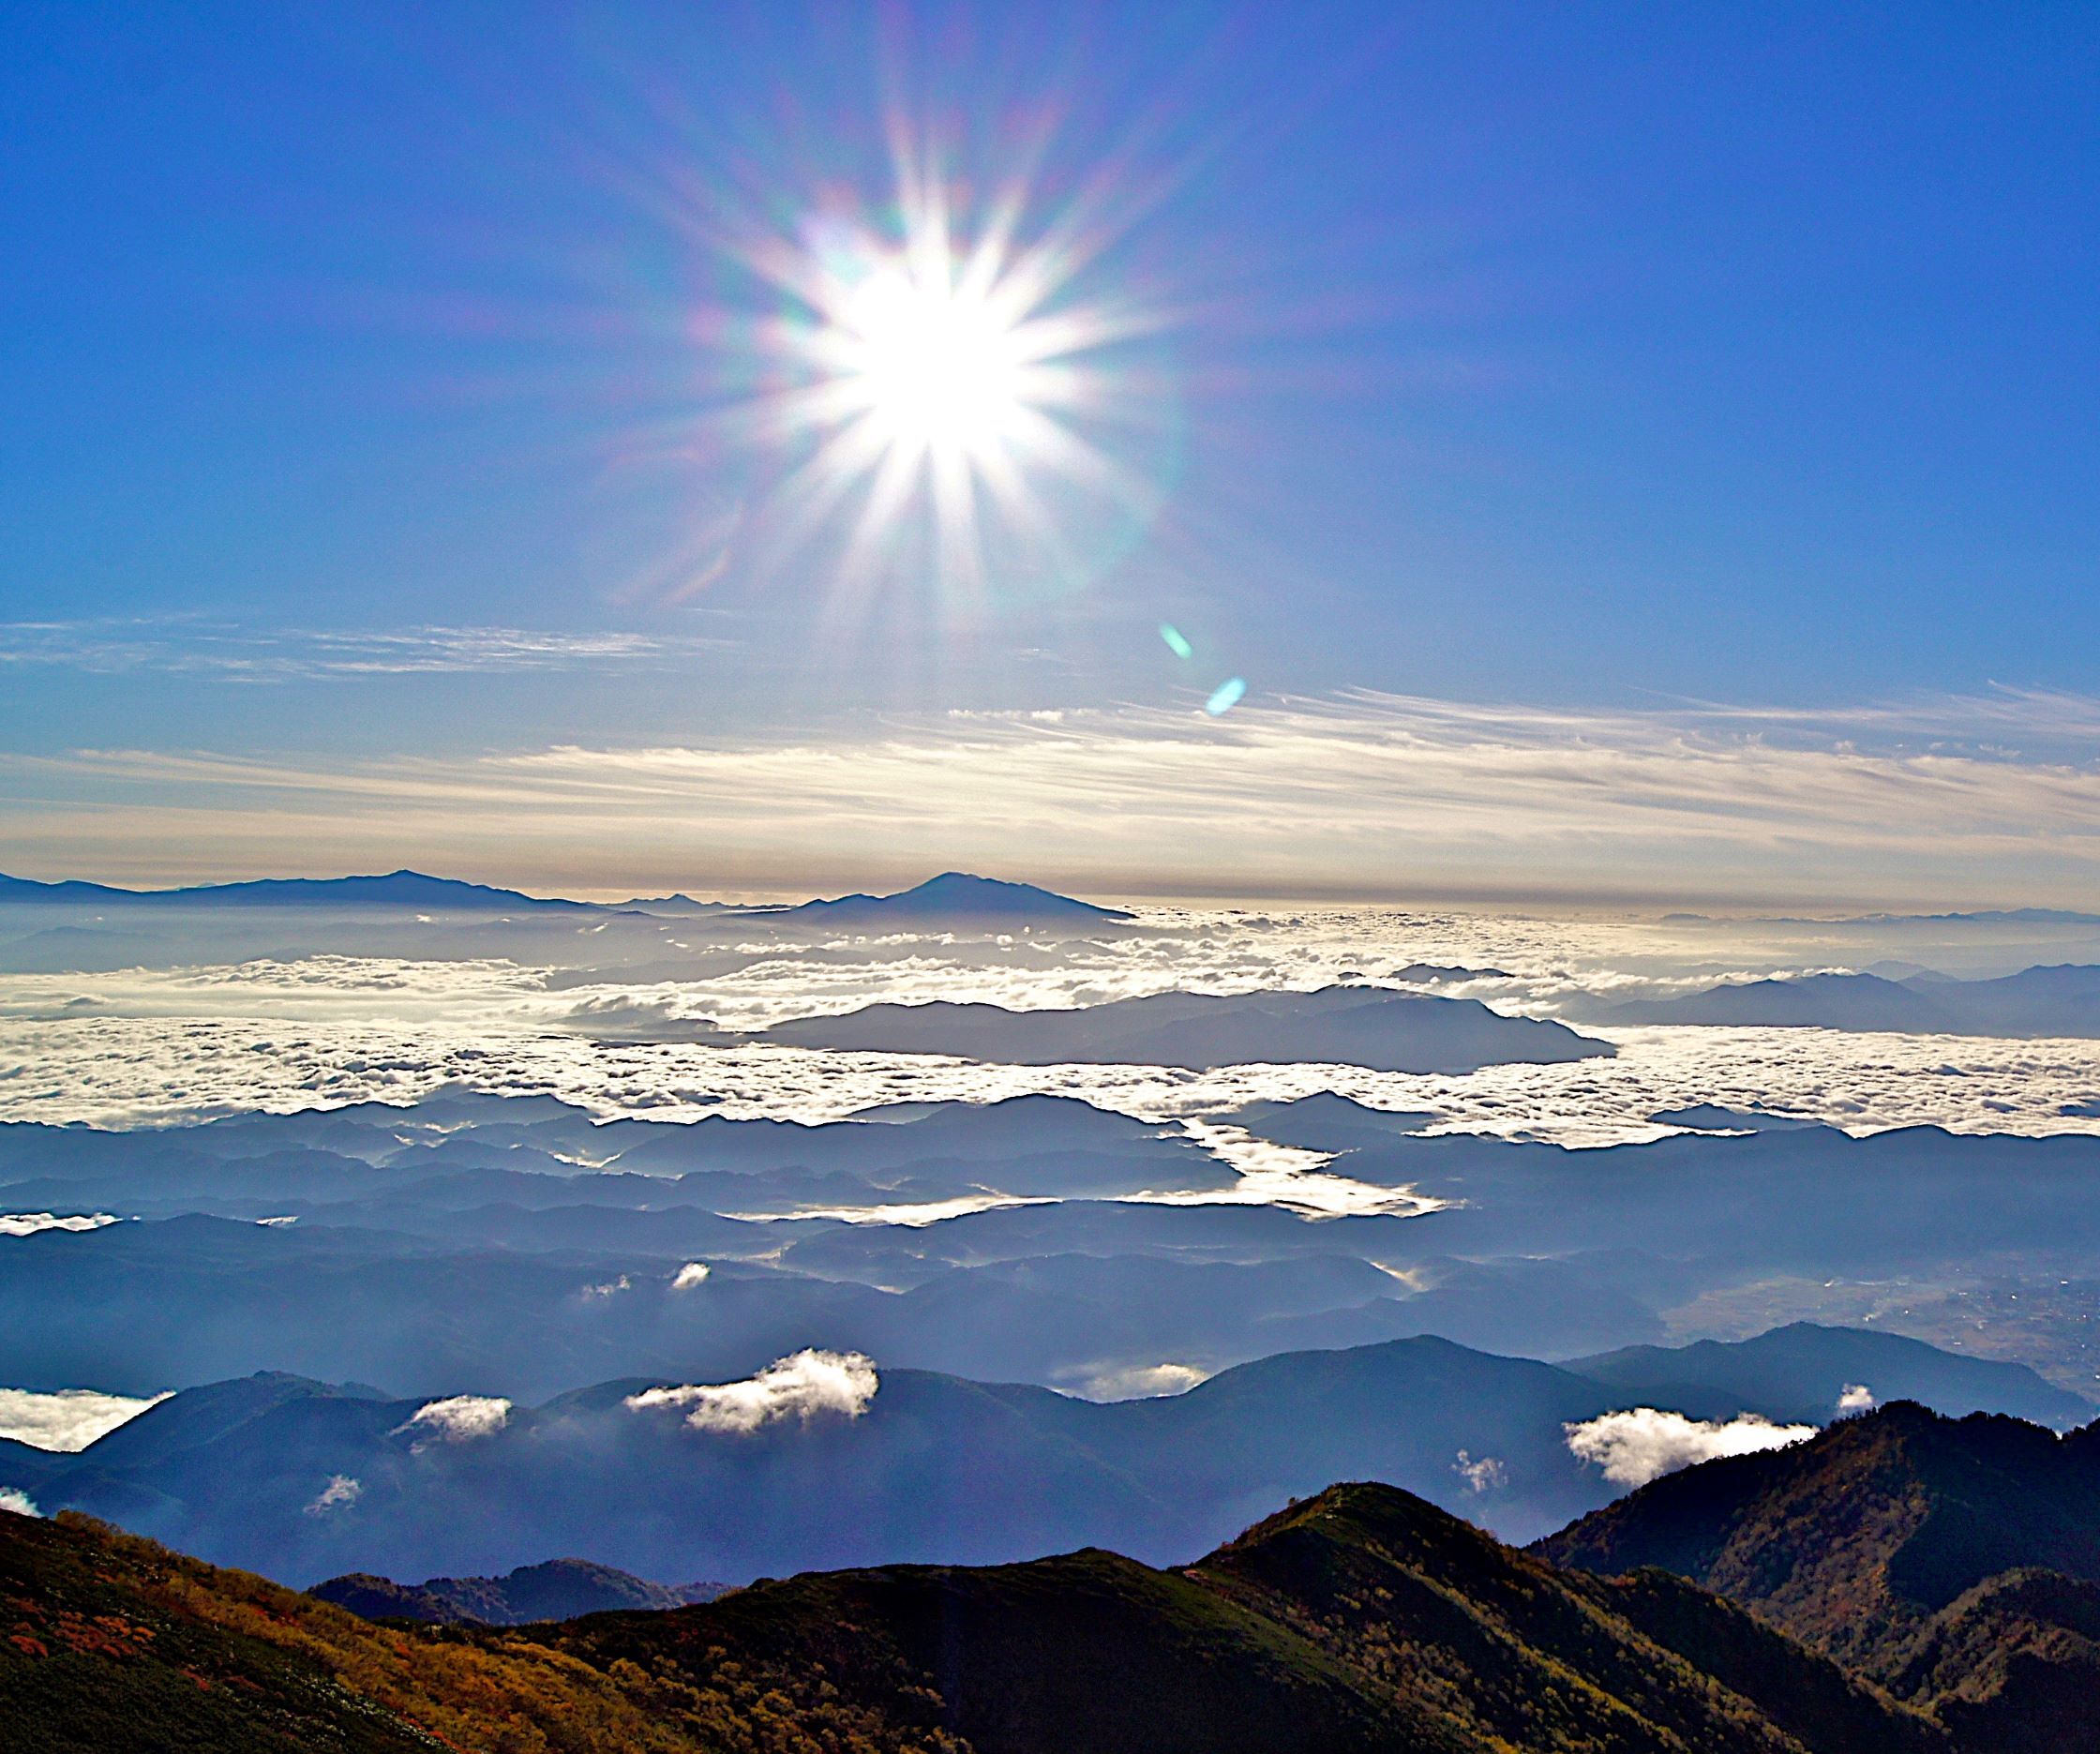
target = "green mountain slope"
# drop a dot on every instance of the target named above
(1363, 1621)
(1955, 1561)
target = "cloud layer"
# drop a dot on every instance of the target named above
(1643, 1444)
(68, 1419)
(191, 647)
(1958, 799)
(797, 1388)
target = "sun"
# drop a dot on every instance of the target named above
(939, 373)
(934, 366)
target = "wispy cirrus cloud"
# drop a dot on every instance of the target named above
(189, 646)
(1962, 802)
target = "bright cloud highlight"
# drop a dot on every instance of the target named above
(68, 1419)
(797, 1388)
(340, 1493)
(1643, 1444)
(461, 1419)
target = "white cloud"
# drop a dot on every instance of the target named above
(797, 1388)
(610, 1288)
(67, 1420)
(692, 1273)
(19, 1502)
(340, 1493)
(1486, 1474)
(29, 1224)
(1995, 796)
(1643, 1444)
(1857, 1398)
(191, 647)
(1134, 1382)
(459, 1418)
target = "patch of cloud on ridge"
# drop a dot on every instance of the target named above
(459, 1418)
(1642, 1444)
(799, 1388)
(66, 1419)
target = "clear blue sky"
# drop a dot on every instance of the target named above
(1579, 356)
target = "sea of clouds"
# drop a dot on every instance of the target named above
(170, 1046)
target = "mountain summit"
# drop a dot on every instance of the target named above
(960, 896)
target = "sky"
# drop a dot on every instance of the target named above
(1613, 452)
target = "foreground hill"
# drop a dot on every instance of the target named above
(1957, 1561)
(1359, 1622)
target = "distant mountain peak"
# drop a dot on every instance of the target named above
(964, 895)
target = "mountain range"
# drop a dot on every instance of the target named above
(825, 1460)
(953, 896)
(520, 1246)
(2059, 1001)
(1360, 1621)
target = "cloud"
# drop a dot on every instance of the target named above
(1486, 1474)
(29, 1224)
(693, 1273)
(68, 1419)
(1643, 1444)
(13, 1499)
(1132, 1382)
(461, 1419)
(1975, 798)
(610, 1288)
(797, 1388)
(1857, 1398)
(340, 1493)
(189, 646)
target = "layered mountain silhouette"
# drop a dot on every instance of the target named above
(2061, 1000)
(1361, 1619)
(520, 1246)
(398, 889)
(802, 1464)
(555, 1589)
(1382, 1029)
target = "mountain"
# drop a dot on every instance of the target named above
(1379, 1027)
(1359, 1622)
(30, 890)
(2059, 1000)
(1955, 1560)
(1818, 1001)
(555, 1589)
(398, 889)
(1798, 1372)
(837, 1460)
(953, 896)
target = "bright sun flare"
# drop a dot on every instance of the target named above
(938, 368)
(939, 378)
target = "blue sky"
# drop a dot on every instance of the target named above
(381, 391)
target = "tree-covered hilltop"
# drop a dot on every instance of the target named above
(1363, 1621)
